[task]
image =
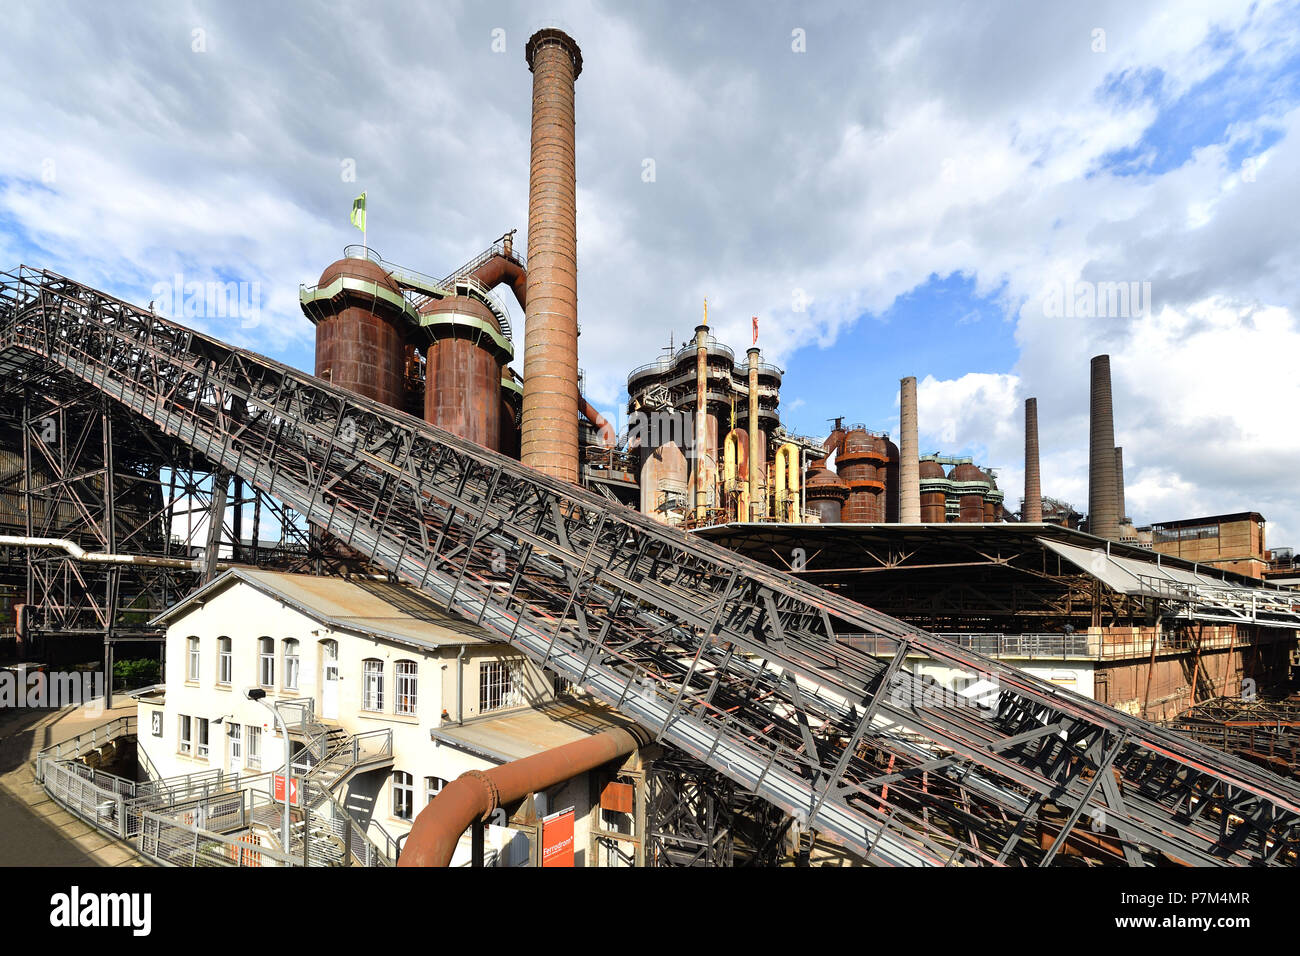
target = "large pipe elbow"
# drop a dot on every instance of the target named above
(505, 269)
(476, 794)
(608, 437)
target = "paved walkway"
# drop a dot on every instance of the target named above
(34, 830)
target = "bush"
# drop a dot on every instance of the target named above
(130, 674)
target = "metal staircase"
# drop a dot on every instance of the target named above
(737, 665)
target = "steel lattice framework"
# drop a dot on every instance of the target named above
(739, 666)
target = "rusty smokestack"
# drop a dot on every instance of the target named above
(909, 463)
(549, 427)
(757, 447)
(1032, 507)
(1119, 485)
(1103, 508)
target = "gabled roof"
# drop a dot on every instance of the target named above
(378, 609)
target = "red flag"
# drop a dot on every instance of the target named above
(755, 330)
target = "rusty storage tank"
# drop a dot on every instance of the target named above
(825, 492)
(861, 466)
(512, 399)
(362, 320)
(462, 368)
(934, 492)
(971, 481)
(664, 479)
(893, 488)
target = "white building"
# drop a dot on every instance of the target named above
(372, 662)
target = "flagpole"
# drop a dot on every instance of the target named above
(365, 222)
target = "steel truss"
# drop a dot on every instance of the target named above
(699, 817)
(734, 664)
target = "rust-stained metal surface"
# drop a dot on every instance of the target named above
(362, 346)
(861, 466)
(664, 481)
(549, 432)
(1103, 504)
(462, 379)
(1032, 508)
(825, 492)
(934, 498)
(892, 479)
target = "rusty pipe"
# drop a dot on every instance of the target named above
(505, 269)
(476, 794)
(608, 437)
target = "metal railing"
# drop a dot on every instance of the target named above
(84, 742)
(175, 843)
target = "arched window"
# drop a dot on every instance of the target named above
(192, 668)
(403, 795)
(372, 685)
(407, 686)
(291, 664)
(266, 662)
(224, 662)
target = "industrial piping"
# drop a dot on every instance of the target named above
(549, 425)
(476, 794)
(1031, 508)
(1103, 520)
(909, 462)
(100, 557)
(608, 437)
(1120, 514)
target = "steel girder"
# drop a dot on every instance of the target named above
(737, 665)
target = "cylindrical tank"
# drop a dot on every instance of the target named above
(462, 370)
(664, 483)
(511, 398)
(971, 502)
(862, 467)
(892, 478)
(825, 493)
(360, 330)
(933, 494)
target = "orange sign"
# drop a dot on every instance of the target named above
(557, 839)
(293, 789)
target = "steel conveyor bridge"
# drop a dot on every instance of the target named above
(756, 674)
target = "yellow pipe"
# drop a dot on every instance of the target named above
(786, 465)
(734, 471)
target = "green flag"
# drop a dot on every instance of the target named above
(359, 212)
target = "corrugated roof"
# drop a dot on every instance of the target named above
(530, 731)
(372, 608)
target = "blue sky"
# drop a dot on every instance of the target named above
(922, 176)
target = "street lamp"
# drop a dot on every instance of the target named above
(258, 695)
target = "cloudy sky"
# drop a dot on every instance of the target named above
(904, 189)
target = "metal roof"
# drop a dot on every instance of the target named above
(529, 731)
(378, 609)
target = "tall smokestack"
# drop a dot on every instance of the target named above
(909, 464)
(1103, 508)
(1119, 485)
(549, 428)
(757, 446)
(1032, 507)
